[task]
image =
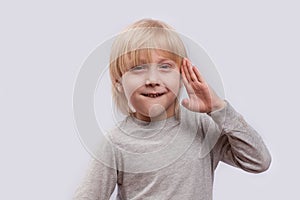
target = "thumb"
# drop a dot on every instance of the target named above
(186, 103)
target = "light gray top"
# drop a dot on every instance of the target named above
(172, 159)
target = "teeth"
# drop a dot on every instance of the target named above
(153, 95)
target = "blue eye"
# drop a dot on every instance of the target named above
(165, 66)
(137, 68)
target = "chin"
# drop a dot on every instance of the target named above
(157, 110)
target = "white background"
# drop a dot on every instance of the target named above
(255, 45)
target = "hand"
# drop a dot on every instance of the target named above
(201, 97)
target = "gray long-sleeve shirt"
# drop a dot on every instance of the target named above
(172, 159)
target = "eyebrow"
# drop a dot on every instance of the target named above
(165, 59)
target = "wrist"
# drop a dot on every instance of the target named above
(218, 106)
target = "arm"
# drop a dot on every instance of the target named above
(238, 143)
(98, 184)
(102, 175)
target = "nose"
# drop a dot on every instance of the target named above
(152, 78)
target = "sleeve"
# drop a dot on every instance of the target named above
(102, 174)
(98, 184)
(239, 144)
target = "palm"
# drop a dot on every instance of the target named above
(201, 97)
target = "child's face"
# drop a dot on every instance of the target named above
(152, 88)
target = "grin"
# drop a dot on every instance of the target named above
(153, 95)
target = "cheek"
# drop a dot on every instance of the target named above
(131, 83)
(172, 81)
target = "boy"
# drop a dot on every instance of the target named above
(161, 150)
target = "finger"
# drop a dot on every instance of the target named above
(187, 85)
(185, 82)
(185, 103)
(191, 72)
(186, 72)
(198, 75)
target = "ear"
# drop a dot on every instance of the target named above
(119, 87)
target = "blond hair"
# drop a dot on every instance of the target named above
(140, 38)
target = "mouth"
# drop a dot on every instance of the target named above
(153, 95)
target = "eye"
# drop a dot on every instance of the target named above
(138, 68)
(165, 66)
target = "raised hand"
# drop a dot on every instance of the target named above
(201, 97)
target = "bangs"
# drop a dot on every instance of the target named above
(144, 56)
(147, 39)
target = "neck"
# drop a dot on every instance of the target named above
(170, 112)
